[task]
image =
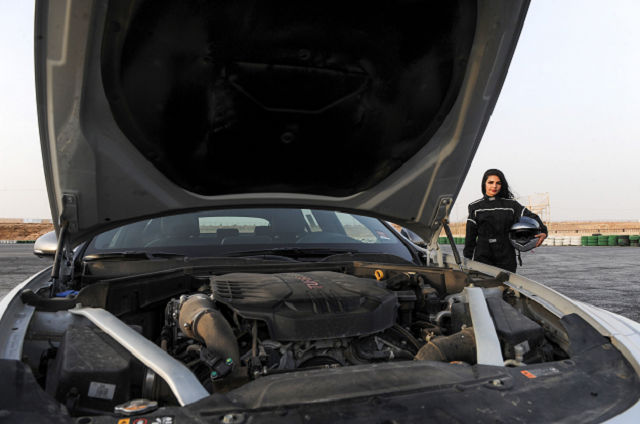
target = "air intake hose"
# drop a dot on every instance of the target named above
(457, 347)
(200, 320)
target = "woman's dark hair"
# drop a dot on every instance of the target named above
(505, 191)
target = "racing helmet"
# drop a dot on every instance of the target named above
(522, 234)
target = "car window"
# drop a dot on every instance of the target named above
(224, 231)
(109, 239)
(311, 221)
(366, 230)
(244, 225)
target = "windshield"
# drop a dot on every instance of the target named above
(213, 233)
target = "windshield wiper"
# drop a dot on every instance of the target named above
(278, 251)
(291, 251)
(132, 256)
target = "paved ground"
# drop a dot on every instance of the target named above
(606, 277)
(17, 263)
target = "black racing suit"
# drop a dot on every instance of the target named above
(490, 219)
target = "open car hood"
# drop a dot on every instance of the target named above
(149, 108)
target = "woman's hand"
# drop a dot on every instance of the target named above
(540, 238)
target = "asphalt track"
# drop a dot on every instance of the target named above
(17, 263)
(606, 277)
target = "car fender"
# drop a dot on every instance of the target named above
(623, 332)
(15, 316)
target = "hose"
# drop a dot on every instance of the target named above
(408, 335)
(165, 336)
(441, 315)
(457, 347)
(431, 328)
(193, 348)
(201, 321)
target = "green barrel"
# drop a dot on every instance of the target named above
(603, 240)
(613, 240)
(624, 241)
(584, 241)
(592, 240)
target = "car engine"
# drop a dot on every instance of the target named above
(289, 321)
(234, 328)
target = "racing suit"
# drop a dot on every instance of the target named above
(490, 219)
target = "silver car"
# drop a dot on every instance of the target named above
(222, 174)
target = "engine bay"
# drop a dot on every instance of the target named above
(229, 328)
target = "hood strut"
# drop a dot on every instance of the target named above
(63, 252)
(62, 272)
(447, 230)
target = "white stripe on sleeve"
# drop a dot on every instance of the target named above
(494, 209)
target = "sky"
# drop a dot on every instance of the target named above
(567, 121)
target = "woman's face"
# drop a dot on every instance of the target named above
(493, 186)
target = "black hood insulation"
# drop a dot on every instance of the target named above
(325, 98)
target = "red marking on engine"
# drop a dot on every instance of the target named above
(309, 282)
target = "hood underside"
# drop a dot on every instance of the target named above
(149, 108)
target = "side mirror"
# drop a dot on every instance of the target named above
(46, 245)
(413, 237)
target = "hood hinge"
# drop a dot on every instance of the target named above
(442, 212)
(70, 211)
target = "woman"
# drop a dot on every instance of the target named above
(490, 219)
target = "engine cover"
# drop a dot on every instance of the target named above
(310, 305)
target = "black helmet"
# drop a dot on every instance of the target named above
(523, 233)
